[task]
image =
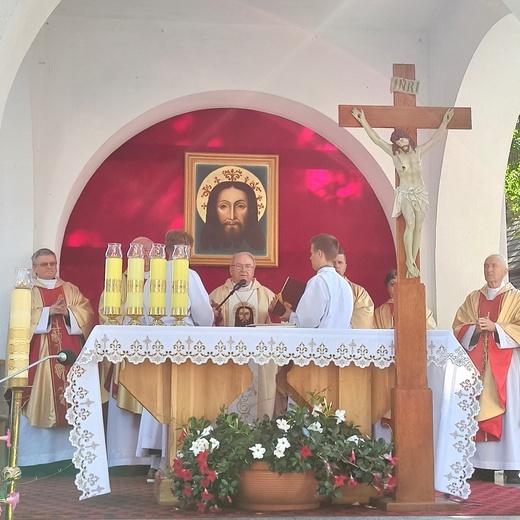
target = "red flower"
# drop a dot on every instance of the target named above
(392, 460)
(305, 452)
(352, 457)
(177, 467)
(392, 481)
(212, 475)
(202, 457)
(186, 475)
(351, 482)
(182, 436)
(186, 491)
(206, 495)
(205, 482)
(202, 462)
(201, 507)
(339, 480)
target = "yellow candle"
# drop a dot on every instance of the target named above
(158, 283)
(135, 282)
(20, 315)
(113, 275)
(180, 267)
(19, 335)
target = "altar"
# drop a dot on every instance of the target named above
(451, 376)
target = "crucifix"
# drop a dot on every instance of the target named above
(412, 412)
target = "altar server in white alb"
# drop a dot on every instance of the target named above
(327, 302)
(153, 435)
(488, 326)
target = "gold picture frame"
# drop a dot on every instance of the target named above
(241, 182)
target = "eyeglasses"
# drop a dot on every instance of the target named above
(247, 267)
(47, 264)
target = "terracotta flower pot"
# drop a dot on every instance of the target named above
(263, 490)
(362, 493)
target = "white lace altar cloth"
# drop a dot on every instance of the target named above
(451, 376)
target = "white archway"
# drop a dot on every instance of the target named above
(470, 216)
(262, 102)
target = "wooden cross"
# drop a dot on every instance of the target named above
(412, 412)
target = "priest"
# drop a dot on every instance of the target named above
(363, 313)
(242, 300)
(62, 318)
(384, 315)
(488, 327)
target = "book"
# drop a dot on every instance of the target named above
(291, 293)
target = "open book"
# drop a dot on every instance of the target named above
(291, 293)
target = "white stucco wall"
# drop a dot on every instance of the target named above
(16, 195)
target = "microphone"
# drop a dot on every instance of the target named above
(238, 285)
(64, 357)
(67, 357)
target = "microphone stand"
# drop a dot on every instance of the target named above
(16, 410)
(237, 286)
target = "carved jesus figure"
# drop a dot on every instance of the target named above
(411, 197)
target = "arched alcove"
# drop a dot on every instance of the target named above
(139, 190)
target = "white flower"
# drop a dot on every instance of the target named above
(283, 425)
(214, 443)
(283, 444)
(199, 445)
(316, 427)
(354, 438)
(258, 451)
(340, 416)
(279, 453)
(179, 454)
(206, 431)
(318, 408)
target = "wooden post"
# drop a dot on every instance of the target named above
(412, 411)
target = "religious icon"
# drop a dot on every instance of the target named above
(244, 316)
(232, 206)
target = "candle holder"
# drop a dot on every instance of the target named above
(18, 345)
(113, 278)
(157, 285)
(180, 273)
(135, 283)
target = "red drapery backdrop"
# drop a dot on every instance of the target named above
(139, 190)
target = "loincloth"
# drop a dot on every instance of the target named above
(417, 197)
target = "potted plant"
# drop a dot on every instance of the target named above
(213, 457)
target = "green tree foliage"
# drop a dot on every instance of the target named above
(512, 180)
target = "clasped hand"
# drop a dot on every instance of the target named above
(485, 324)
(59, 307)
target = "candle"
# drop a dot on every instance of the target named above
(180, 267)
(113, 277)
(158, 284)
(19, 335)
(135, 284)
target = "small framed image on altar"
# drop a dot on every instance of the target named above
(231, 205)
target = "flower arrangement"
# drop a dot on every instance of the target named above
(206, 469)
